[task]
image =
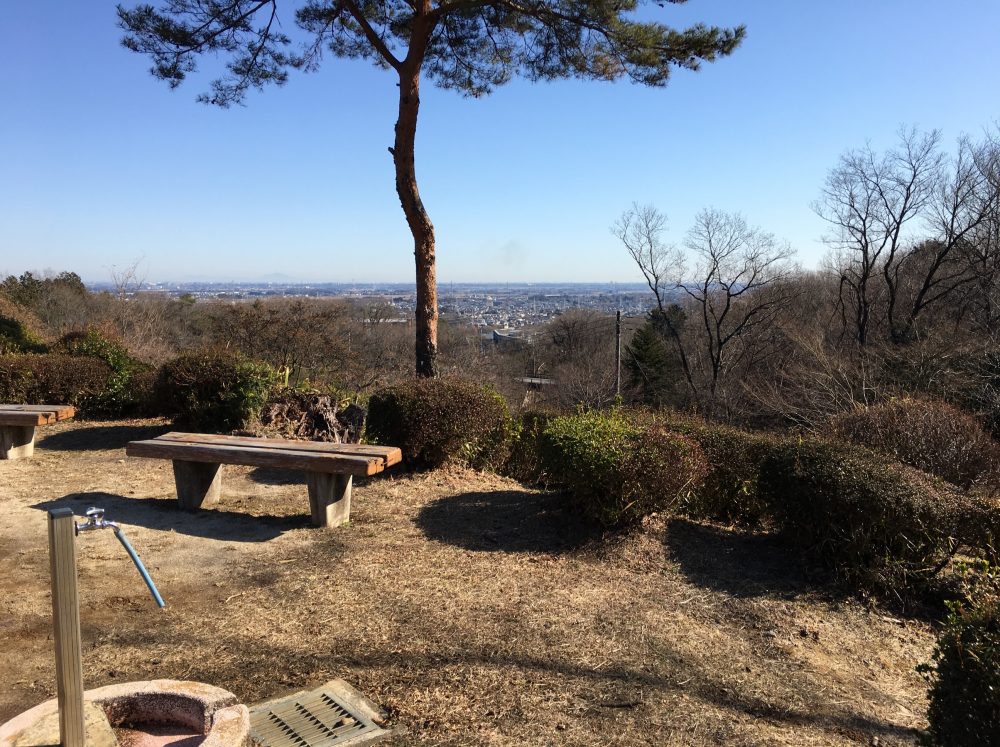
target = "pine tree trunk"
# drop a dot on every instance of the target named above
(418, 220)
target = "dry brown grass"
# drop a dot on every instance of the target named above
(471, 608)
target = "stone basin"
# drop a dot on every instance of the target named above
(152, 713)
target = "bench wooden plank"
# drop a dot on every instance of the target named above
(308, 461)
(24, 419)
(61, 411)
(389, 454)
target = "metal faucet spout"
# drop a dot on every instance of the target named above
(95, 520)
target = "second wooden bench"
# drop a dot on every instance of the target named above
(18, 423)
(329, 468)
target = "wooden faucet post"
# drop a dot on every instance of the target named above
(66, 621)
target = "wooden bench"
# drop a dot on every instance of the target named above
(329, 468)
(18, 423)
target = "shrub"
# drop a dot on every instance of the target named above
(874, 523)
(730, 492)
(617, 470)
(214, 392)
(929, 435)
(53, 379)
(524, 461)
(436, 421)
(143, 389)
(20, 330)
(964, 696)
(972, 381)
(120, 397)
(15, 379)
(15, 337)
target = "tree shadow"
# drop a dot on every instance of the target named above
(504, 521)
(99, 438)
(165, 515)
(742, 564)
(623, 687)
(748, 564)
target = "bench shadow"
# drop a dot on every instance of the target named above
(276, 476)
(504, 521)
(163, 514)
(279, 476)
(98, 437)
(743, 564)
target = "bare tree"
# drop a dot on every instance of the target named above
(579, 355)
(302, 338)
(731, 295)
(869, 199)
(965, 200)
(815, 380)
(739, 290)
(980, 249)
(379, 345)
(641, 230)
(138, 318)
(903, 222)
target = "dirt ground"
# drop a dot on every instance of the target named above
(473, 610)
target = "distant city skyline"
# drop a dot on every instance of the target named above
(104, 166)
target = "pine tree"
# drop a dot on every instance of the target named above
(652, 363)
(467, 45)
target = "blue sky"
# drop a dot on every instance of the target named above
(103, 165)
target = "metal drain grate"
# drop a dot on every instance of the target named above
(313, 719)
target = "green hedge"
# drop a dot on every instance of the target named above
(437, 421)
(616, 470)
(964, 677)
(524, 461)
(214, 392)
(876, 524)
(54, 379)
(128, 391)
(730, 492)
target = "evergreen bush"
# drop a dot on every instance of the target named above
(524, 461)
(875, 524)
(437, 421)
(964, 695)
(54, 379)
(120, 397)
(617, 470)
(214, 392)
(730, 493)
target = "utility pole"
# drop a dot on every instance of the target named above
(618, 353)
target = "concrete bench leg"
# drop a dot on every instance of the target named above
(198, 484)
(329, 498)
(17, 441)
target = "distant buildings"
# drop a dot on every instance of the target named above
(505, 307)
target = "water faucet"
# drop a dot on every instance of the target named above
(95, 520)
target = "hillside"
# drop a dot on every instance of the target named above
(470, 608)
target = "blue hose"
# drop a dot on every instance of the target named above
(138, 564)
